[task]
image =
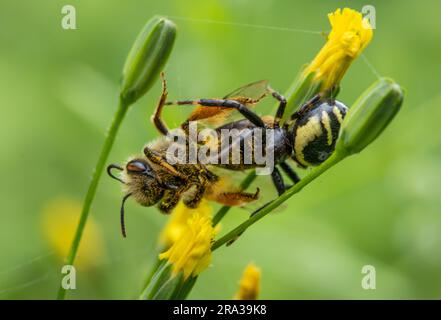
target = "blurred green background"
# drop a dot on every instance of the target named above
(59, 91)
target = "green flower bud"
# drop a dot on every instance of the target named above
(147, 58)
(369, 116)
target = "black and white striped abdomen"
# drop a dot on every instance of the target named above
(315, 134)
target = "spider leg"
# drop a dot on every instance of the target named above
(278, 181)
(281, 109)
(290, 172)
(225, 103)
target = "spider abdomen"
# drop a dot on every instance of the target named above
(314, 134)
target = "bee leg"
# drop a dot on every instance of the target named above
(278, 181)
(169, 201)
(282, 105)
(237, 198)
(159, 160)
(194, 200)
(290, 172)
(210, 176)
(157, 115)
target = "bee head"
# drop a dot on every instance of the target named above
(314, 134)
(140, 181)
(139, 167)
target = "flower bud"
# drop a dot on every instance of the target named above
(147, 58)
(369, 116)
(249, 285)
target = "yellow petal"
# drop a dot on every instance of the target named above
(178, 221)
(350, 34)
(190, 253)
(249, 285)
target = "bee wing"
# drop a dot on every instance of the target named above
(256, 91)
(248, 95)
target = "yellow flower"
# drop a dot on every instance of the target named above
(191, 252)
(350, 34)
(249, 285)
(178, 221)
(59, 222)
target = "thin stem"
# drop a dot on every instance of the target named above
(116, 122)
(334, 159)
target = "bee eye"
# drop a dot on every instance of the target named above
(136, 166)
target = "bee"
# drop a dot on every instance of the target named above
(151, 180)
(307, 137)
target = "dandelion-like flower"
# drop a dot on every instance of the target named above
(177, 223)
(59, 222)
(350, 34)
(191, 252)
(249, 285)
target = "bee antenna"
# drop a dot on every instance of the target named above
(123, 225)
(109, 172)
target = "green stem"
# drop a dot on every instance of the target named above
(116, 122)
(235, 233)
